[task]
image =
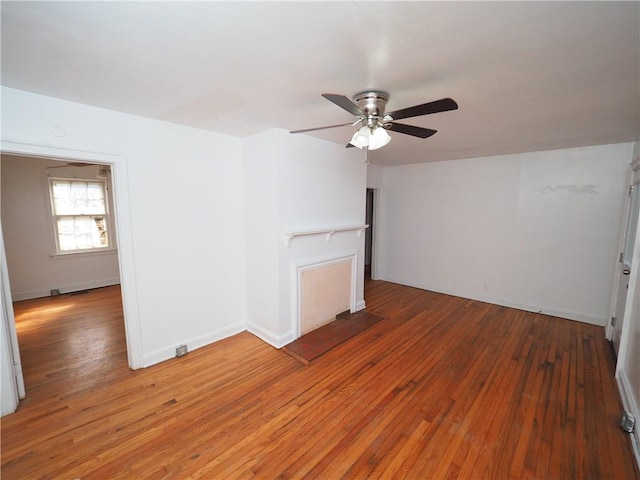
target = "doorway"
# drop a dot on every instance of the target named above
(34, 265)
(368, 236)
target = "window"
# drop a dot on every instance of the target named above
(80, 214)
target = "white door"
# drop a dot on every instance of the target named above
(11, 367)
(626, 257)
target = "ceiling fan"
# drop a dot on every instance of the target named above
(368, 107)
(103, 170)
(71, 164)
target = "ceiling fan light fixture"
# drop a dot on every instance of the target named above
(103, 173)
(379, 138)
(361, 138)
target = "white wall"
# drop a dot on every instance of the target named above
(179, 196)
(374, 176)
(34, 270)
(321, 184)
(187, 217)
(296, 182)
(537, 231)
(262, 235)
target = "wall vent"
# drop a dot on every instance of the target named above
(181, 351)
(627, 422)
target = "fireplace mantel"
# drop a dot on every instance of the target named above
(328, 232)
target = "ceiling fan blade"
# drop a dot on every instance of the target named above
(321, 128)
(442, 105)
(345, 103)
(73, 164)
(412, 130)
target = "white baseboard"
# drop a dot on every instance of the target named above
(276, 341)
(77, 287)
(630, 404)
(360, 305)
(553, 312)
(168, 352)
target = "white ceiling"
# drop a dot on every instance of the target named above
(527, 75)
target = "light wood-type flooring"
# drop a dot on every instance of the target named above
(443, 387)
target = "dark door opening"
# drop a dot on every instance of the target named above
(368, 242)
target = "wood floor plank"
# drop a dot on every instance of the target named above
(443, 387)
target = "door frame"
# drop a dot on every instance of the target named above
(626, 384)
(12, 378)
(375, 230)
(633, 170)
(368, 234)
(123, 231)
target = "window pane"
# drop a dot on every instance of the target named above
(78, 198)
(61, 197)
(95, 198)
(82, 232)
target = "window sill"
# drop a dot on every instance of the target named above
(84, 253)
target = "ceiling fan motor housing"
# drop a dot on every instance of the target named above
(372, 103)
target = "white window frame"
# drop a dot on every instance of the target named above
(107, 218)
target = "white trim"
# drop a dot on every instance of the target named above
(85, 253)
(629, 322)
(268, 337)
(56, 153)
(126, 262)
(55, 215)
(630, 404)
(9, 398)
(622, 244)
(300, 266)
(634, 277)
(11, 321)
(123, 230)
(613, 301)
(193, 343)
(76, 287)
(11, 377)
(376, 233)
(553, 312)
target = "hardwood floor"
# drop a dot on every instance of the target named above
(443, 387)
